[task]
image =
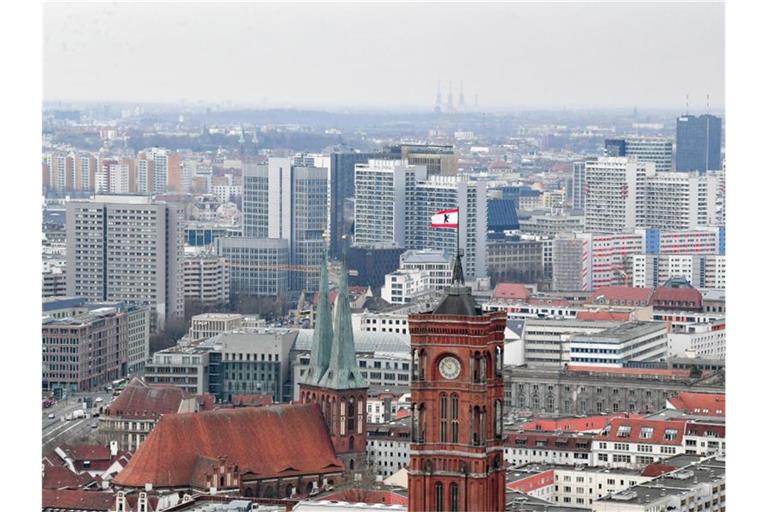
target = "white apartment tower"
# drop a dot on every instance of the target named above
(615, 189)
(681, 200)
(127, 248)
(383, 188)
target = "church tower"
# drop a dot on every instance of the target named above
(333, 379)
(457, 397)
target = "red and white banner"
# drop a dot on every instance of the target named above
(446, 219)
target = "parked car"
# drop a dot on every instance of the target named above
(51, 415)
(95, 424)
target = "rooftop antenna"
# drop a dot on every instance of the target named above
(707, 103)
(686, 103)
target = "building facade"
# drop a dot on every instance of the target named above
(698, 143)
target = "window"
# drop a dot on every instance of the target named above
(443, 418)
(670, 434)
(454, 497)
(646, 432)
(621, 458)
(454, 418)
(603, 457)
(624, 431)
(439, 497)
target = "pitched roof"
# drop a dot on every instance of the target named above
(139, 400)
(586, 424)
(369, 496)
(511, 291)
(255, 399)
(634, 430)
(621, 295)
(550, 441)
(266, 441)
(702, 404)
(677, 297)
(657, 469)
(60, 477)
(78, 500)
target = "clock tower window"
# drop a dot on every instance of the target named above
(454, 418)
(443, 418)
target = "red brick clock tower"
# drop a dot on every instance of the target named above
(457, 397)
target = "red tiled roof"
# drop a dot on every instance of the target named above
(139, 400)
(78, 500)
(402, 413)
(255, 400)
(705, 429)
(266, 441)
(59, 477)
(603, 315)
(572, 424)
(666, 297)
(369, 496)
(533, 482)
(664, 372)
(551, 441)
(90, 452)
(658, 469)
(702, 404)
(624, 295)
(656, 435)
(511, 291)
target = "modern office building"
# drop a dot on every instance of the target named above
(258, 267)
(442, 192)
(698, 143)
(680, 200)
(127, 248)
(515, 260)
(616, 346)
(657, 150)
(419, 271)
(383, 190)
(89, 344)
(566, 263)
(287, 199)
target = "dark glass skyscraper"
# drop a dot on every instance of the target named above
(698, 143)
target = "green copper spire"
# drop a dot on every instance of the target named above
(322, 338)
(343, 372)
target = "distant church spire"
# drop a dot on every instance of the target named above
(343, 372)
(461, 95)
(449, 106)
(322, 338)
(438, 99)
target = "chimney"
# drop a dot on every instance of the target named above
(148, 486)
(113, 448)
(120, 502)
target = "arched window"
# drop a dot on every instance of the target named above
(422, 364)
(454, 497)
(351, 444)
(454, 418)
(443, 418)
(499, 362)
(360, 414)
(351, 416)
(221, 482)
(439, 497)
(268, 492)
(484, 367)
(342, 417)
(288, 491)
(351, 461)
(499, 413)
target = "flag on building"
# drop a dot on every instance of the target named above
(446, 219)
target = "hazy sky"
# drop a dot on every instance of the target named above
(388, 55)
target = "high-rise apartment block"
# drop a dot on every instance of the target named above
(579, 184)
(206, 279)
(698, 143)
(127, 248)
(440, 160)
(383, 191)
(623, 193)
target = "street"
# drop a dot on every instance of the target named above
(58, 431)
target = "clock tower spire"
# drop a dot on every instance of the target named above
(457, 400)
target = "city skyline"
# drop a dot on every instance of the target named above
(169, 61)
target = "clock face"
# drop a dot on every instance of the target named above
(450, 367)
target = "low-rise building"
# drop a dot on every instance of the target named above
(183, 366)
(635, 443)
(208, 325)
(698, 486)
(132, 415)
(389, 447)
(615, 346)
